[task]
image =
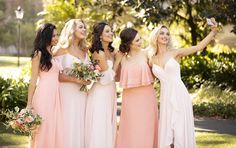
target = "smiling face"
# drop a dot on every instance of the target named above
(107, 34)
(54, 38)
(80, 30)
(136, 43)
(163, 36)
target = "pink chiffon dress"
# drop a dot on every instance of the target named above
(139, 114)
(47, 103)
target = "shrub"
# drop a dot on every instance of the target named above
(13, 92)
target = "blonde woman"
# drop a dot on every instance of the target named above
(71, 48)
(176, 124)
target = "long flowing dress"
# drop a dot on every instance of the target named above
(139, 114)
(176, 124)
(101, 112)
(47, 103)
(74, 103)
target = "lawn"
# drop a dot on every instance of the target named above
(204, 139)
(8, 65)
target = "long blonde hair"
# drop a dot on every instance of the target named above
(153, 46)
(67, 35)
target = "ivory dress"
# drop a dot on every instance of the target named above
(101, 112)
(176, 124)
(74, 105)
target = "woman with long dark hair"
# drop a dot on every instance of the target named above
(138, 120)
(44, 97)
(100, 120)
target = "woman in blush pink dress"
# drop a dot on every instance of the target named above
(176, 125)
(101, 104)
(139, 118)
(44, 98)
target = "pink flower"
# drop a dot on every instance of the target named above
(91, 67)
(19, 122)
(96, 71)
(97, 67)
(29, 119)
(23, 111)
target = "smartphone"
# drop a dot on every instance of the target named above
(209, 22)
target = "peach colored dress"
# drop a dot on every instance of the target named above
(101, 112)
(139, 114)
(176, 123)
(47, 103)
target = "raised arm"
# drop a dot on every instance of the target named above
(190, 50)
(34, 76)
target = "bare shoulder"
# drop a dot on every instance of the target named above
(61, 51)
(99, 55)
(37, 56)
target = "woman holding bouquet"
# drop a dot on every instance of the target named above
(101, 103)
(138, 121)
(176, 113)
(72, 49)
(44, 97)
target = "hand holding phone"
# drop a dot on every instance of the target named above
(209, 22)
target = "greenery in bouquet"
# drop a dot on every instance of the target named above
(25, 121)
(86, 71)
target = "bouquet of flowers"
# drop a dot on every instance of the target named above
(88, 72)
(25, 121)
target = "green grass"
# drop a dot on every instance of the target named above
(9, 139)
(215, 140)
(8, 66)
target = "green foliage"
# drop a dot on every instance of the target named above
(212, 101)
(191, 13)
(222, 110)
(219, 69)
(90, 11)
(13, 92)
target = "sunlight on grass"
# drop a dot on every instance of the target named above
(214, 140)
(8, 66)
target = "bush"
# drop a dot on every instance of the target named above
(13, 92)
(221, 110)
(210, 101)
(219, 69)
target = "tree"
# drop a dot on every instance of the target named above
(90, 11)
(191, 13)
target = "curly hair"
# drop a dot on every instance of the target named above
(127, 36)
(42, 41)
(96, 42)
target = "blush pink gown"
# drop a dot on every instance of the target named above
(139, 114)
(176, 123)
(47, 103)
